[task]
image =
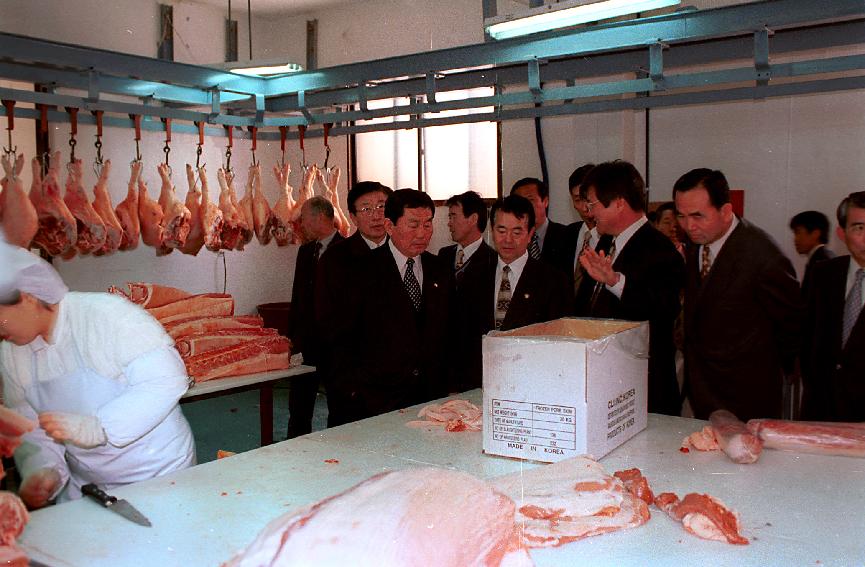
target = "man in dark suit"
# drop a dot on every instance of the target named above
(743, 309)
(641, 277)
(366, 201)
(316, 222)
(467, 221)
(810, 236)
(394, 353)
(549, 242)
(833, 356)
(515, 291)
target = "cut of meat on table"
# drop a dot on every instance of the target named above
(570, 500)
(202, 305)
(58, 230)
(18, 216)
(636, 484)
(91, 229)
(150, 295)
(150, 215)
(192, 345)
(176, 217)
(251, 357)
(414, 517)
(734, 438)
(13, 518)
(453, 415)
(12, 556)
(704, 516)
(104, 208)
(231, 220)
(284, 208)
(195, 238)
(817, 437)
(703, 440)
(127, 211)
(212, 217)
(200, 325)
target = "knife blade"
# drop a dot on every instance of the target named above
(121, 507)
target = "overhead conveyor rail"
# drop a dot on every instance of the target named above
(591, 69)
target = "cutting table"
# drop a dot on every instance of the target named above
(796, 509)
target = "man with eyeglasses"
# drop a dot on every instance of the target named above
(336, 271)
(393, 352)
(833, 357)
(639, 278)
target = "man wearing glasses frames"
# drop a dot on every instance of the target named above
(641, 277)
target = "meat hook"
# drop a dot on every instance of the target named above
(167, 147)
(283, 130)
(73, 131)
(327, 148)
(198, 151)
(227, 167)
(10, 150)
(98, 162)
(301, 133)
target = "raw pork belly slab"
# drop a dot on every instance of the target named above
(818, 437)
(262, 355)
(202, 305)
(415, 517)
(570, 500)
(201, 325)
(704, 516)
(192, 345)
(150, 295)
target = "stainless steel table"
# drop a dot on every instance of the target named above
(797, 509)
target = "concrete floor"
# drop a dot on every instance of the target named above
(231, 422)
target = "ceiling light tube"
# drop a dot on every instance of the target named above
(556, 16)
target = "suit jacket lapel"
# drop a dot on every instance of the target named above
(521, 297)
(723, 265)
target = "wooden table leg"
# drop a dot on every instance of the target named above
(266, 413)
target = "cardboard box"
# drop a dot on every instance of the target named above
(564, 388)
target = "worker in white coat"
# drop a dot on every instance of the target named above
(98, 373)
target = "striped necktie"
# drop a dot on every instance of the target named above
(503, 299)
(705, 262)
(535, 247)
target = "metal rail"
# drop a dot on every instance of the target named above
(593, 69)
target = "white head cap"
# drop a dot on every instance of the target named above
(22, 271)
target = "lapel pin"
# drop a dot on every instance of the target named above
(435, 284)
(526, 296)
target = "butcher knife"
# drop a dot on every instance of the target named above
(122, 507)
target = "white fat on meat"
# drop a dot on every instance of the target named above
(408, 517)
(570, 500)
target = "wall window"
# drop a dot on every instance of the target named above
(441, 160)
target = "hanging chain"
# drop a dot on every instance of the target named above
(199, 151)
(167, 147)
(73, 131)
(98, 163)
(326, 146)
(227, 167)
(283, 130)
(10, 150)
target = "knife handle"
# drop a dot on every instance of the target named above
(100, 495)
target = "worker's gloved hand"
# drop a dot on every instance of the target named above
(83, 431)
(37, 488)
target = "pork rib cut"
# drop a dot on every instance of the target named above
(18, 216)
(198, 325)
(149, 295)
(58, 230)
(105, 210)
(202, 305)
(127, 211)
(192, 345)
(407, 517)
(262, 355)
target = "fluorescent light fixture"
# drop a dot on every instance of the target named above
(260, 68)
(566, 14)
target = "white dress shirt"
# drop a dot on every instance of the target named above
(621, 240)
(468, 250)
(715, 247)
(402, 265)
(516, 267)
(372, 245)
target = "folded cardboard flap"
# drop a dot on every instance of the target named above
(597, 332)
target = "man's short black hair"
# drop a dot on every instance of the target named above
(471, 203)
(362, 188)
(579, 174)
(403, 199)
(320, 206)
(518, 206)
(543, 190)
(664, 207)
(712, 180)
(856, 199)
(617, 179)
(811, 221)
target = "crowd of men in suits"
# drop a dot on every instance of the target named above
(389, 324)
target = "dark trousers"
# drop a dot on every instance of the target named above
(301, 404)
